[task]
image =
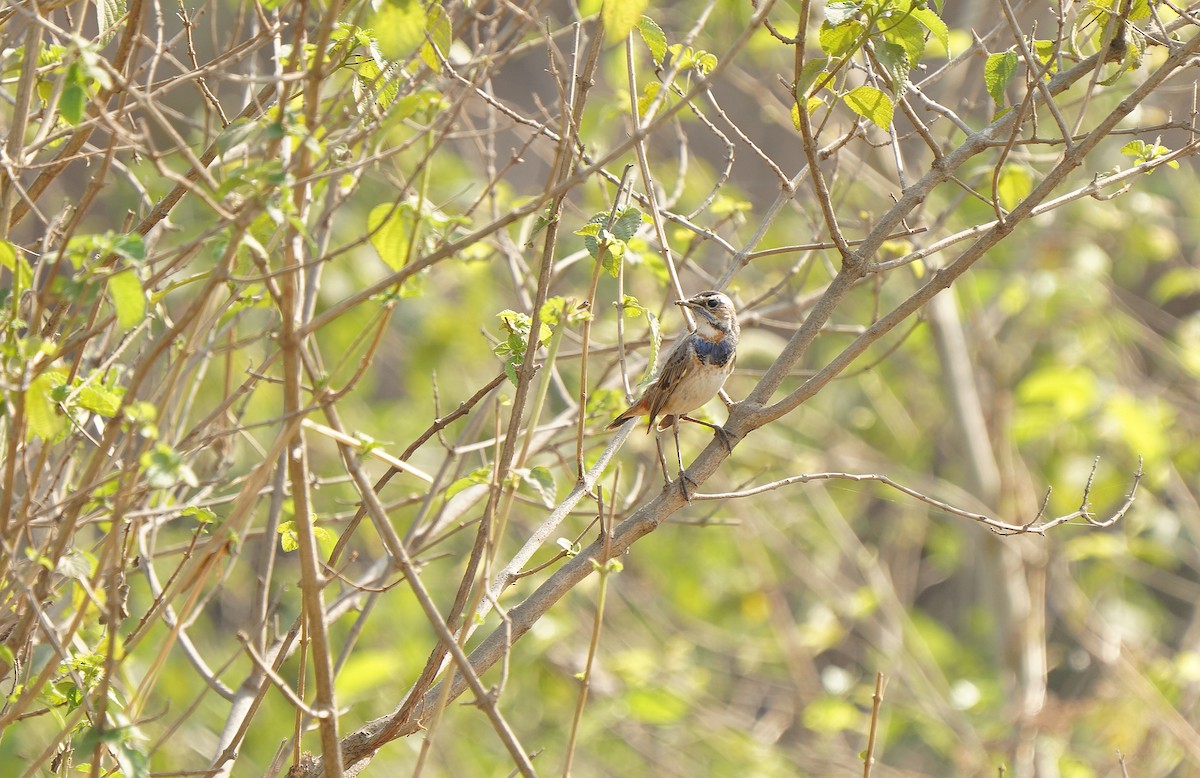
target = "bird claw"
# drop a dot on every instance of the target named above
(725, 439)
(683, 480)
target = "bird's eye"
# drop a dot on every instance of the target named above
(713, 302)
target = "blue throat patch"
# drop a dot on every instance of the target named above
(715, 353)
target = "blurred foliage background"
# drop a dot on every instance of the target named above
(405, 193)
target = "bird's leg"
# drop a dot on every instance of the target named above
(662, 458)
(721, 433)
(683, 478)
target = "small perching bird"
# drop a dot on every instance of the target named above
(693, 373)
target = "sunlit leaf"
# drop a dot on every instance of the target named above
(16, 264)
(840, 11)
(440, 35)
(871, 103)
(808, 74)
(895, 62)
(620, 16)
(388, 225)
(654, 38)
(1014, 185)
(906, 32)
(128, 298)
(998, 71)
(934, 24)
(840, 40)
(41, 410)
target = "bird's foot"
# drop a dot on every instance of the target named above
(683, 480)
(725, 438)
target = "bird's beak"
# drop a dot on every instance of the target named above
(686, 303)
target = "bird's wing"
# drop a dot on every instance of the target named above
(676, 368)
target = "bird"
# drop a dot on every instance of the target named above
(694, 371)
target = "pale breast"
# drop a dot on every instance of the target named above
(700, 385)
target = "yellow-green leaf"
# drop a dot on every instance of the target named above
(871, 103)
(619, 16)
(1014, 185)
(440, 34)
(128, 297)
(649, 92)
(74, 95)
(17, 265)
(654, 38)
(997, 72)
(934, 24)
(813, 104)
(399, 27)
(840, 40)
(389, 234)
(41, 411)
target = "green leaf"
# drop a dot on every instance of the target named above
(110, 12)
(1014, 185)
(841, 11)
(631, 307)
(539, 481)
(627, 223)
(481, 475)
(908, 33)
(934, 24)
(288, 539)
(1046, 51)
(840, 40)
(590, 230)
(41, 410)
(649, 92)
(654, 38)
(73, 100)
(74, 564)
(655, 347)
(894, 60)
(620, 16)
(440, 34)
(125, 291)
(202, 515)
(99, 400)
(389, 231)
(813, 104)
(870, 103)
(998, 71)
(399, 27)
(131, 246)
(808, 74)
(16, 264)
(164, 467)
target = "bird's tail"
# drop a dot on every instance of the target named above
(632, 413)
